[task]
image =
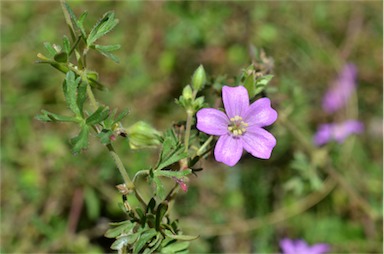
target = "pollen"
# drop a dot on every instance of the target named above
(237, 126)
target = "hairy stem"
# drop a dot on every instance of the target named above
(127, 180)
(188, 130)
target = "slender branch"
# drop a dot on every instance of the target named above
(204, 146)
(127, 180)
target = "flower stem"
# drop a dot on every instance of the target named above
(127, 180)
(188, 129)
(202, 148)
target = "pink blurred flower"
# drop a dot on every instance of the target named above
(289, 246)
(342, 88)
(240, 127)
(337, 131)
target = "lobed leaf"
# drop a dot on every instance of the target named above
(102, 27)
(80, 142)
(47, 116)
(98, 116)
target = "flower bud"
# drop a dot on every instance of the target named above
(142, 135)
(187, 92)
(199, 78)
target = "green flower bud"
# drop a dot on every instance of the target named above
(142, 135)
(199, 78)
(187, 92)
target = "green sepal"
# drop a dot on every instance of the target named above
(47, 116)
(102, 27)
(106, 51)
(96, 84)
(61, 57)
(80, 142)
(98, 116)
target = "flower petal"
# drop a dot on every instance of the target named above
(236, 100)
(258, 142)
(323, 134)
(287, 246)
(212, 121)
(260, 113)
(319, 248)
(228, 150)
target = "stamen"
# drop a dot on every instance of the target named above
(237, 126)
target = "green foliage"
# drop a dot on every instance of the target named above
(149, 232)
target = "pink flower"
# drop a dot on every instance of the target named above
(240, 127)
(342, 88)
(289, 246)
(337, 131)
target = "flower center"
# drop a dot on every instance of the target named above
(237, 126)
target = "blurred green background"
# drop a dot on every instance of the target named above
(53, 201)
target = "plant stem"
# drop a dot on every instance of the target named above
(127, 180)
(202, 148)
(188, 129)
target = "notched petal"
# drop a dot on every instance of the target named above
(228, 150)
(260, 113)
(235, 100)
(212, 121)
(259, 142)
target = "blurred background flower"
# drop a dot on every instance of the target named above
(52, 201)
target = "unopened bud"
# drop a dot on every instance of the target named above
(199, 78)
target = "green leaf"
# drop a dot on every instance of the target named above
(47, 116)
(121, 116)
(102, 27)
(66, 45)
(105, 51)
(74, 24)
(98, 116)
(92, 203)
(249, 84)
(171, 173)
(51, 51)
(175, 247)
(161, 211)
(80, 142)
(172, 150)
(105, 136)
(151, 205)
(160, 190)
(262, 82)
(81, 97)
(124, 227)
(96, 84)
(154, 245)
(180, 237)
(145, 236)
(70, 92)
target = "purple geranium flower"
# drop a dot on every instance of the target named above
(289, 246)
(341, 90)
(240, 127)
(337, 131)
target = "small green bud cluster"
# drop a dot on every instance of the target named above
(188, 98)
